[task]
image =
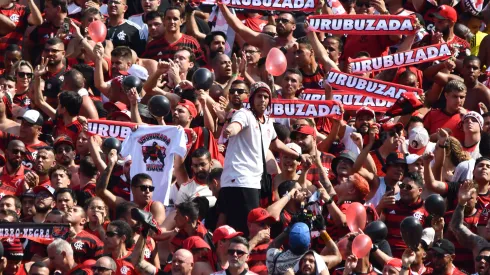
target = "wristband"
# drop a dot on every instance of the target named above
(405, 267)
(329, 201)
(325, 237)
(374, 248)
(298, 158)
(289, 196)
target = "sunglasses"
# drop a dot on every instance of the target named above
(100, 269)
(111, 234)
(485, 258)
(365, 4)
(282, 20)
(404, 186)
(239, 253)
(23, 74)
(238, 91)
(273, 34)
(143, 188)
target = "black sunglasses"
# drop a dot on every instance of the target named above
(486, 258)
(365, 4)
(282, 20)
(111, 234)
(405, 186)
(100, 268)
(273, 34)
(239, 253)
(143, 188)
(238, 91)
(23, 74)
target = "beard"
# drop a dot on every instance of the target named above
(42, 209)
(363, 129)
(15, 163)
(213, 54)
(202, 176)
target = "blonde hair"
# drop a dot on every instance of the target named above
(455, 151)
(19, 64)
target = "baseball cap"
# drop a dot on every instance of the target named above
(109, 106)
(295, 147)
(299, 238)
(225, 232)
(346, 154)
(388, 126)
(12, 249)
(366, 110)
(443, 246)
(412, 158)
(260, 215)
(396, 263)
(445, 12)
(63, 139)
(138, 71)
(38, 189)
(475, 115)
(33, 117)
(194, 242)
(124, 113)
(394, 158)
(190, 106)
(304, 129)
(428, 235)
(418, 138)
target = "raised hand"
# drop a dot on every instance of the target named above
(112, 157)
(42, 68)
(99, 50)
(466, 191)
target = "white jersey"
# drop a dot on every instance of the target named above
(192, 189)
(152, 150)
(223, 272)
(243, 161)
(138, 20)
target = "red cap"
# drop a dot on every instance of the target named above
(124, 113)
(194, 242)
(115, 105)
(388, 126)
(366, 110)
(190, 106)
(396, 263)
(306, 129)
(13, 249)
(63, 139)
(445, 12)
(260, 215)
(225, 232)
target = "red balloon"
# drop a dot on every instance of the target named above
(361, 246)
(97, 31)
(276, 63)
(343, 248)
(356, 217)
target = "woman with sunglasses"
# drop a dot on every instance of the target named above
(23, 72)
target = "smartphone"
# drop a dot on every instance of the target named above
(66, 25)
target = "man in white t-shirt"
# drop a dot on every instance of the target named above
(250, 133)
(197, 186)
(140, 19)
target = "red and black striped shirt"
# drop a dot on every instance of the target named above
(86, 246)
(161, 50)
(315, 80)
(257, 258)
(17, 14)
(394, 215)
(72, 130)
(43, 33)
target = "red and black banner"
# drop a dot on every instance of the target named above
(411, 57)
(110, 128)
(291, 108)
(350, 101)
(359, 24)
(278, 5)
(43, 233)
(367, 86)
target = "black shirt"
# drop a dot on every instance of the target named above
(127, 34)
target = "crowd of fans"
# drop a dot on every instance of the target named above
(254, 194)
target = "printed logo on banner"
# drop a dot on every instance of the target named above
(153, 150)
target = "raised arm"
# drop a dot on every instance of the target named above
(192, 28)
(99, 82)
(430, 182)
(261, 40)
(101, 186)
(35, 18)
(440, 73)
(320, 52)
(464, 236)
(41, 70)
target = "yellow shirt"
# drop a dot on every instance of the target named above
(476, 41)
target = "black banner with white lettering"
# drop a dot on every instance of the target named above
(43, 233)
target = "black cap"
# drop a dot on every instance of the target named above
(443, 246)
(395, 158)
(346, 154)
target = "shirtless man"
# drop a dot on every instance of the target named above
(477, 92)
